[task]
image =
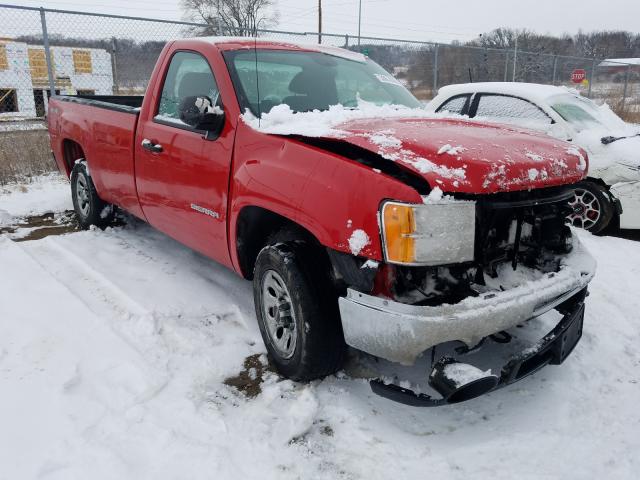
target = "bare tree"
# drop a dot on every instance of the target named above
(231, 17)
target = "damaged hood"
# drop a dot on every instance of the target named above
(465, 156)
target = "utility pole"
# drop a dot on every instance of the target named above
(515, 58)
(319, 21)
(359, 20)
(114, 66)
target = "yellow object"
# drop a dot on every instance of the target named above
(82, 61)
(38, 63)
(4, 63)
(399, 227)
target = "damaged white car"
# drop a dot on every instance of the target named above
(611, 192)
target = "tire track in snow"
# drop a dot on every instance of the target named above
(106, 300)
(96, 291)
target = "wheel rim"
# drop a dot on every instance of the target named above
(586, 209)
(82, 195)
(278, 314)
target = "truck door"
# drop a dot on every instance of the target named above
(182, 177)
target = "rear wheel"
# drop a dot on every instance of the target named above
(297, 311)
(90, 208)
(592, 207)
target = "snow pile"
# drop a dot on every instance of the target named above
(447, 148)
(533, 174)
(423, 165)
(577, 153)
(462, 373)
(281, 120)
(48, 193)
(533, 156)
(5, 217)
(370, 264)
(435, 196)
(358, 240)
(384, 140)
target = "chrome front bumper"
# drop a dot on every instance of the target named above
(400, 332)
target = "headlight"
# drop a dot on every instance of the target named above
(429, 234)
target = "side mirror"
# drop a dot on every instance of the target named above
(201, 114)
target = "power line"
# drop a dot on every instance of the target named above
(395, 26)
(332, 17)
(111, 6)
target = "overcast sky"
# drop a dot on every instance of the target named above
(410, 19)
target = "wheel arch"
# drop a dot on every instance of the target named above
(255, 225)
(71, 151)
(597, 180)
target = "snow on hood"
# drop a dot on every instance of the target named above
(454, 154)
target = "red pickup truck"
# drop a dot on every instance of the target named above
(361, 219)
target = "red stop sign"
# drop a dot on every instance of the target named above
(578, 75)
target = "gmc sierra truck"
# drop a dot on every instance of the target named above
(361, 219)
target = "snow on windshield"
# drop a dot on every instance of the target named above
(583, 113)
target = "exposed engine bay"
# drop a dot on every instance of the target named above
(519, 236)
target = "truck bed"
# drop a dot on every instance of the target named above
(101, 128)
(121, 103)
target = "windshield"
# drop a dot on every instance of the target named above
(307, 81)
(583, 114)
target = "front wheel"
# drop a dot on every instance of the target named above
(592, 207)
(297, 312)
(89, 207)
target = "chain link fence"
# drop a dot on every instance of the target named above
(67, 52)
(47, 51)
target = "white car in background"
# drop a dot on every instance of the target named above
(612, 188)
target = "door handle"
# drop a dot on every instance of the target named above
(150, 146)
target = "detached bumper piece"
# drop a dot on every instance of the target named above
(552, 349)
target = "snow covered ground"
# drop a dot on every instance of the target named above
(116, 347)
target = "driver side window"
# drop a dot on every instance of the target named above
(188, 75)
(457, 105)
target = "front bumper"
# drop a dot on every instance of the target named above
(400, 333)
(553, 349)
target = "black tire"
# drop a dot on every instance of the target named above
(310, 305)
(592, 205)
(89, 207)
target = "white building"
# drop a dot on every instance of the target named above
(24, 82)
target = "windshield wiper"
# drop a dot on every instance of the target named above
(610, 139)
